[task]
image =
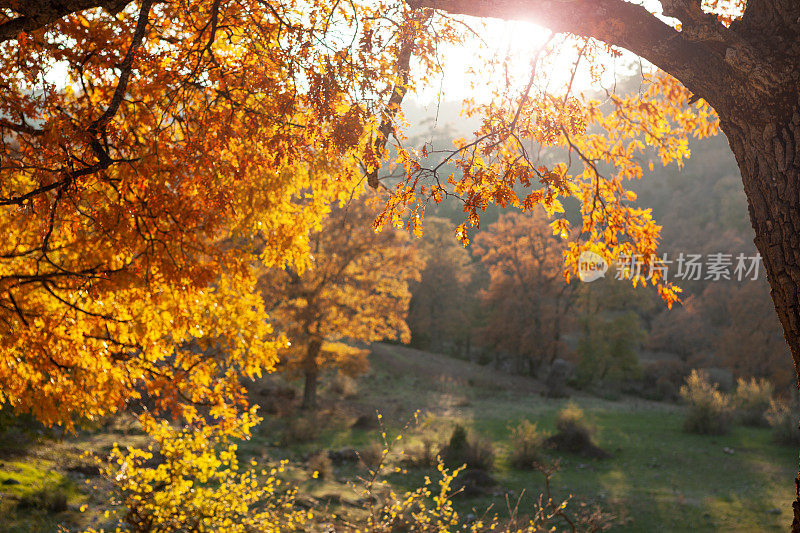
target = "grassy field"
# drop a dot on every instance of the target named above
(658, 479)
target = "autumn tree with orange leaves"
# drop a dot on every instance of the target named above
(527, 300)
(344, 294)
(182, 121)
(172, 128)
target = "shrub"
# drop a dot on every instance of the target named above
(572, 419)
(575, 434)
(199, 484)
(751, 400)
(275, 398)
(302, 429)
(371, 455)
(474, 453)
(480, 454)
(424, 456)
(708, 410)
(202, 486)
(783, 421)
(50, 499)
(344, 385)
(526, 441)
(321, 464)
(662, 380)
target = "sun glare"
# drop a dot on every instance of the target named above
(500, 55)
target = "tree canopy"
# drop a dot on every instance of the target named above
(343, 295)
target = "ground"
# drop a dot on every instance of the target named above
(659, 478)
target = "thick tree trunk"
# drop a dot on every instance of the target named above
(766, 143)
(311, 371)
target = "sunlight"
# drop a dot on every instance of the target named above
(500, 53)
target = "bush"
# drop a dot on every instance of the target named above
(474, 453)
(321, 464)
(709, 410)
(371, 455)
(424, 456)
(200, 485)
(50, 499)
(575, 434)
(344, 386)
(480, 454)
(571, 419)
(275, 398)
(526, 441)
(751, 400)
(662, 380)
(302, 429)
(783, 421)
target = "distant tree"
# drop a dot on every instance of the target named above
(751, 344)
(728, 324)
(607, 350)
(527, 300)
(685, 331)
(442, 304)
(612, 317)
(349, 292)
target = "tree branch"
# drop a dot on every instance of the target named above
(407, 39)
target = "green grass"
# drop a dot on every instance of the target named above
(659, 478)
(27, 480)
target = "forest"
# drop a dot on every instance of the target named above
(429, 265)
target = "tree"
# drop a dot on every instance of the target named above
(344, 294)
(133, 155)
(527, 299)
(748, 338)
(442, 306)
(611, 333)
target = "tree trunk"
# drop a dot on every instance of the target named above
(310, 390)
(556, 345)
(311, 370)
(766, 143)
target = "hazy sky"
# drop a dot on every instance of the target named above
(518, 41)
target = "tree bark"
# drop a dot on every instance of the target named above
(311, 371)
(767, 150)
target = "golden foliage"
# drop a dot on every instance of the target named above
(181, 128)
(197, 484)
(355, 287)
(606, 142)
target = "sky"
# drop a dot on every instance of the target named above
(517, 41)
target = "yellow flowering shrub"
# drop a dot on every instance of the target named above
(190, 479)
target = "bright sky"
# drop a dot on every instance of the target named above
(519, 41)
